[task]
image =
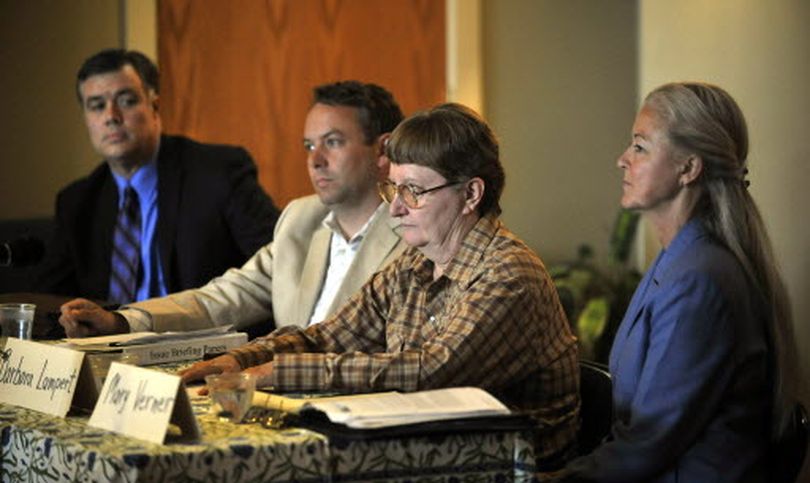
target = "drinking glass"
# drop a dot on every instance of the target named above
(17, 320)
(231, 394)
(100, 364)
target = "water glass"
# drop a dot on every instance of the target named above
(231, 394)
(100, 364)
(17, 320)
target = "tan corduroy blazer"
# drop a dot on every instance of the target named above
(282, 280)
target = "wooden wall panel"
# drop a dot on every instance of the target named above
(242, 71)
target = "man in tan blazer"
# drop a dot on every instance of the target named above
(324, 248)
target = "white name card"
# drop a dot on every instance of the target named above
(140, 403)
(39, 376)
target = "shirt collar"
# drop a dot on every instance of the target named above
(462, 266)
(331, 222)
(693, 230)
(143, 181)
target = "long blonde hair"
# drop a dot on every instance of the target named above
(704, 119)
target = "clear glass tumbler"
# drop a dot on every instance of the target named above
(17, 320)
(231, 394)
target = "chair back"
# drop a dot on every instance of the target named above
(787, 454)
(596, 411)
(25, 237)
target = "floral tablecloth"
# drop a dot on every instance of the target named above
(36, 447)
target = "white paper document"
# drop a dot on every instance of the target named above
(368, 411)
(106, 340)
(138, 338)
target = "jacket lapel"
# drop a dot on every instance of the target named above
(169, 189)
(646, 288)
(107, 203)
(375, 248)
(313, 275)
(657, 273)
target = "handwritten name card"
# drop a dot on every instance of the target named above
(39, 376)
(140, 403)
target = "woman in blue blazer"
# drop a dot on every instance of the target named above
(703, 363)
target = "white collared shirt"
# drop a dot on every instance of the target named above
(341, 255)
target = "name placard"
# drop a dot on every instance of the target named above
(140, 403)
(39, 376)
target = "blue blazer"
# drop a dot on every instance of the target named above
(691, 373)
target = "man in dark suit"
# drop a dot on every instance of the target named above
(199, 207)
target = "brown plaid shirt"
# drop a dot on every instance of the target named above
(492, 320)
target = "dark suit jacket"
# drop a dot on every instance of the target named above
(212, 215)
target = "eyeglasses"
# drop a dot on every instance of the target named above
(409, 194)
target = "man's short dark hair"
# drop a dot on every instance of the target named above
(378, 112)
(111, 60)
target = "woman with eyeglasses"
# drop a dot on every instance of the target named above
(467, 304)
(703, 363)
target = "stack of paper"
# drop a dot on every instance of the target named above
(110, 342)
(379, 410)
(157, 348)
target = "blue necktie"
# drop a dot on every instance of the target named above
(126, 254)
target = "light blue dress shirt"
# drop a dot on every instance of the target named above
(145, 182)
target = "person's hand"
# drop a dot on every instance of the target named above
(262, 373)
(217, 365)
(83, 318)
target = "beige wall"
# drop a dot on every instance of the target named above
(560, 92)
(760, 52)
(43, 42)
(464, 53)
(44, 141)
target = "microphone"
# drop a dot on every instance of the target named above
(21, 252)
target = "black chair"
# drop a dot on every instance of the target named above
(596, 411)
(28, 238)
(787, 454)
